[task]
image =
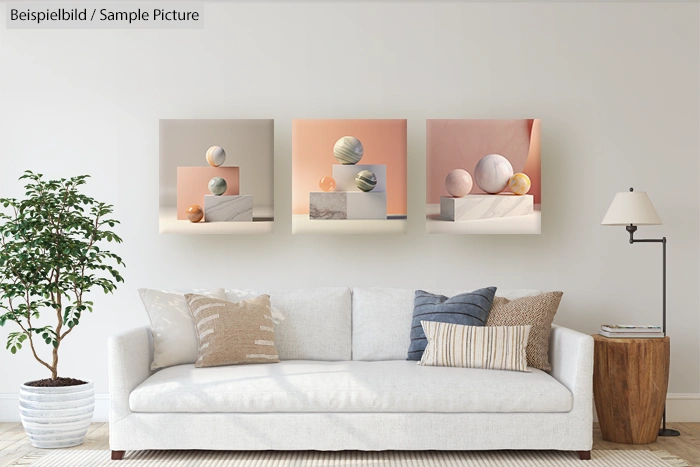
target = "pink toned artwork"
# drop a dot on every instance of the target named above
(461, 144)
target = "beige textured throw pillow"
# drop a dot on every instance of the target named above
(233, 333)
(490, 348)
(538, 312)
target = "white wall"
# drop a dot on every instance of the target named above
(615, 84)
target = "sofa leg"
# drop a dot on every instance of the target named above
(117, 455)
(584, 455)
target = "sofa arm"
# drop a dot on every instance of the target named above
(571, 356)
(129, 359)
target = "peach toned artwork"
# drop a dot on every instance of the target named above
(216, 176)
(374, 202)
(503, 159)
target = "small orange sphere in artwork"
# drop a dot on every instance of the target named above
(327, 183)
(195, 213)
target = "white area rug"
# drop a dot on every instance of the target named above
(66, 458)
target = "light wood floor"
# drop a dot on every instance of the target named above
(14, 444)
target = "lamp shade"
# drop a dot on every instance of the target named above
(631, 207)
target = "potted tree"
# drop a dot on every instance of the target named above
(51, 257)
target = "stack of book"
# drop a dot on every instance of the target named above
(628, 331)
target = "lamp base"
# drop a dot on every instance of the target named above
(669, 432)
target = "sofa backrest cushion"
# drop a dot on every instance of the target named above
(381, 319)
(310, 324)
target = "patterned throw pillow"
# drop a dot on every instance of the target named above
(468, 309)
(491, 348)
(538, 312)
(233, 333)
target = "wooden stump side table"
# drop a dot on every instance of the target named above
(630, 379)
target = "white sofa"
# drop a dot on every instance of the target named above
(344, 384)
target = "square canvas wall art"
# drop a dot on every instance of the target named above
(483, 176)
(216, 176)
(349, 176)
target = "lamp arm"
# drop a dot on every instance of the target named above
(633, 228)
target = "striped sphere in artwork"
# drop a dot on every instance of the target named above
(366, 180)
(216, 156)
(348, 150)
(217, 186)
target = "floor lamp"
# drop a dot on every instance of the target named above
(633, 208)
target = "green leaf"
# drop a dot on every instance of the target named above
(53, 255)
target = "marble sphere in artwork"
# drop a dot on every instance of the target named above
(492, 173)
(366, 180)
(195, 213)
(326, 183)
(216, 156)
(458, 183)
(519, 184)
(217, 186)
(348, 150)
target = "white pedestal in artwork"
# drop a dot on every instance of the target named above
(369, 205)
(236, 208)
(347, 205)
(474, 207)
(344, 176)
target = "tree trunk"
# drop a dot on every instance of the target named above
(59, 325)
(54, 366)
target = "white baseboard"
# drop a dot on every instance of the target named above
(9, 408)
(681, 407)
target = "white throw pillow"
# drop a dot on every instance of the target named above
(174, 335)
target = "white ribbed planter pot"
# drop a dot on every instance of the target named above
(56, 417)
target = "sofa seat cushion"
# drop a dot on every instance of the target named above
(350, 386)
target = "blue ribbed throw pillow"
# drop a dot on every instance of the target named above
(467, 309)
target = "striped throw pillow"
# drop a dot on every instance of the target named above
(233, 333)
(492, 348)
(467, 309)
